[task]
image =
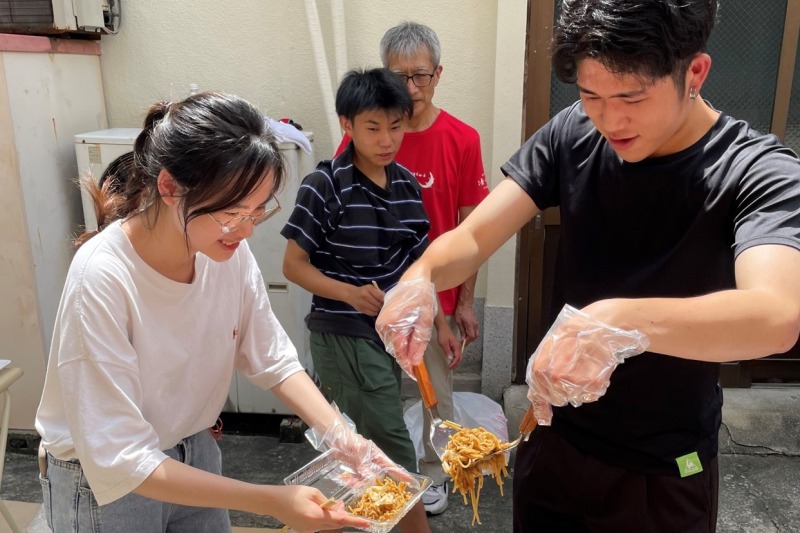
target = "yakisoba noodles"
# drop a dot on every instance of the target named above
(460, 461)
(382, 501)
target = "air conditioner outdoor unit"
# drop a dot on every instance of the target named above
(60, 16)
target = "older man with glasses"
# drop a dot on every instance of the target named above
(444, 154)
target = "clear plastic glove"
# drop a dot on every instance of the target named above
(350, 448)
(574, 362)
(405, 323)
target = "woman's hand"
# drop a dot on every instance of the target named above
(362, 455)
(299, 507)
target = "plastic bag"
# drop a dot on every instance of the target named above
(470, 409)
(574, 362)
(39, 522)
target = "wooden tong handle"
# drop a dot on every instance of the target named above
(425, 387)
(528, 423)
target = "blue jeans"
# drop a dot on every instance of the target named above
(70, 505)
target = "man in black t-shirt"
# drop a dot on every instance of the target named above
(677, 221)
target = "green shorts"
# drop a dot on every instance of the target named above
(364, 381)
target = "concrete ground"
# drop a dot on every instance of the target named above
(759, 458)
(759, 468)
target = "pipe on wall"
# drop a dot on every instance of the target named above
(323, 72)
(339, 39)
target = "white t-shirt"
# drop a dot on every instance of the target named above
(139, 362)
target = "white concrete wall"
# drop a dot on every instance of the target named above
(45, 99)
(261, 50)
(498, 338)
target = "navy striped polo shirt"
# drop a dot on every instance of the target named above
(356, 232)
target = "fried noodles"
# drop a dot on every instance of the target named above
(382, 501)
(461, 460)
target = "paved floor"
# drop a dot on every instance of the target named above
(24, 514)
(759, 470)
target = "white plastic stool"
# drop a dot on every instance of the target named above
(7, 377)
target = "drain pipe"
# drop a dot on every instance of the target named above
(339, 40)
(323, 74)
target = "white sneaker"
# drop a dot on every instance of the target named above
(435, 499)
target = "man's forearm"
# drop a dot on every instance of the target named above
(440, 321)
(723, 326)
(311, 279)
(458, 254)
(466, 293)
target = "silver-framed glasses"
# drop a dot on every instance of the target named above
(256, 217)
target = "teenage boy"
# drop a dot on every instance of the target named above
(357, 226)
(444, 154)
(678, 221)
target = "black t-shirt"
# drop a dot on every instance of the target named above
(667, 226)
(357, 232)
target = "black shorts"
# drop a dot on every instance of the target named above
(562, 490)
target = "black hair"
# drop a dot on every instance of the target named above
(117, 173)
(369, 90)
(650, 39)
(217, 147)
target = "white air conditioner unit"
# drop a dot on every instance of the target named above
(60, 16)
(87, 15)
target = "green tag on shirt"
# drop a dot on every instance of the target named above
(689, 464)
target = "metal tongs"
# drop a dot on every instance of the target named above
(440, 434)
(526, 427)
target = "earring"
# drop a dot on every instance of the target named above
(693, 93)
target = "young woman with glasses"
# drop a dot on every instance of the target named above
(158, 310)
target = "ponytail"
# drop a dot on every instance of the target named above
(108, 194)
(123, 188)
(217, 147)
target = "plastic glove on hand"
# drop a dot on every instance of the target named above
(350, 448)
(574, 362)
(405, 323)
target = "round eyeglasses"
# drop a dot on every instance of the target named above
(420, 80)
(256, 217)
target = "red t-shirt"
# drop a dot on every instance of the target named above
(446, 160)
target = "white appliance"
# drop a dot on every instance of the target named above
(60, 16)
(101, 16)
(95, 150)
(290, 302)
